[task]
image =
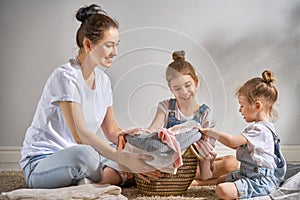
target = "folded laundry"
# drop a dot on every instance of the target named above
(162, 162)
(151, 143)
(167, 145)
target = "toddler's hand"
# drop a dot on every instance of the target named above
(204, 131)
(209, 132)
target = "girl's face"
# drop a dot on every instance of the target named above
(183, 87)
(247, 110)
(105, 50)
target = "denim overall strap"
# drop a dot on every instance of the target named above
(279, 160)
(200, 112)
(172, 120)
(172, 105)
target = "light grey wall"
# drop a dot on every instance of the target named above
(228, 42)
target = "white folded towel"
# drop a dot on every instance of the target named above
(88, 191)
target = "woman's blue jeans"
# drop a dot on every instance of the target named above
(63, 168)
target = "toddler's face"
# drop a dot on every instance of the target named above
(183, 87)
(246, 109)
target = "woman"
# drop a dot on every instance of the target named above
(60, 147)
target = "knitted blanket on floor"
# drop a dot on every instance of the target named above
(88, 191)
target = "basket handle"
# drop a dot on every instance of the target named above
(196, 153)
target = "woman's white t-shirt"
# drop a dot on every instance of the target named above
(49, 132)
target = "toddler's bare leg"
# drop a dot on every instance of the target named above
(222, 166)
(227, 190)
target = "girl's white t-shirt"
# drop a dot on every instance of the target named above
(49, 132)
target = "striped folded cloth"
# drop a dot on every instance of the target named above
(152, 143)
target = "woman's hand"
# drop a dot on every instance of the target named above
(128, 171)
(121, 144)
(136, 162)
(121, 136)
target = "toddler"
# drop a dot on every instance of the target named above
(262, 165)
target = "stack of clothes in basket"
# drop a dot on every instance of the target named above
(168, 145)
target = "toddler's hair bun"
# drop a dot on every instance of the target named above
(268, 77)
(178, 56)
(85, 12)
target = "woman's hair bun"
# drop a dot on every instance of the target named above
(178, 56)
(268, 77)
(85, 12)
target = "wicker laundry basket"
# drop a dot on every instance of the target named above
(171, 184)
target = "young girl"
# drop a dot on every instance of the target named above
(183, 82)
(259, 172)
(60, 147)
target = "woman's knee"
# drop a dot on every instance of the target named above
(86, 160)
(84, 154)
(65, 167)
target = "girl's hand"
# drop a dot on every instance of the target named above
(154, 175)
(131, 131)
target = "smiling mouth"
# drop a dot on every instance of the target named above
(186, 98)
(109, 60)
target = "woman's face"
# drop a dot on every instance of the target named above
(184, 88)
(105, 50)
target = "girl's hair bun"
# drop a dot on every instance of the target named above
(178, 56)
(268, 77)
(85, 12)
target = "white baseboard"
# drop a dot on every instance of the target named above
(291, 152)
(11, 154)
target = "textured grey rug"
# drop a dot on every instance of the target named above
(12, 180)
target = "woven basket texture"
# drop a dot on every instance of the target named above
(171, 184)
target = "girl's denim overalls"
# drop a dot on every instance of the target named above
(172, 120)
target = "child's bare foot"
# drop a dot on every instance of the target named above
(198, 182)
